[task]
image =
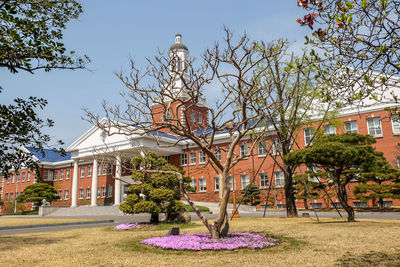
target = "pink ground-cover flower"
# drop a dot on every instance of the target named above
(127, 226)
(205, 242)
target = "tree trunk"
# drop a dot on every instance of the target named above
(380, 201)
(342, 195)
(291, 209)
(216, 230)
(154, 218)
(305, 204)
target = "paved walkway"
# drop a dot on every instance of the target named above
(141, 218)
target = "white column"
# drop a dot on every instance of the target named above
(93, 196)
(117, 185)
(74, 190)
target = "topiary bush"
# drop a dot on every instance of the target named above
(156, 193)
(251, 194)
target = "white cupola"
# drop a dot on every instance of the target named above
(179, 55)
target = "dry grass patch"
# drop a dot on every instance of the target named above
(305, 243)
(4, 221)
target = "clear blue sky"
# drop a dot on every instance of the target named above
(111, 31)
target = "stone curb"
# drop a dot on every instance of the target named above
(52, 224)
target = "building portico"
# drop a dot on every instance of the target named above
(97, 148)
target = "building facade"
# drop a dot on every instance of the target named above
(95, 170)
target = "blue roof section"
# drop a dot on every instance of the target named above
(162, 134)
(49, 155)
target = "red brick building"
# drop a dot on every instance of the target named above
(93, 171)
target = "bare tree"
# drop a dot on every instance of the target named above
(161, 97)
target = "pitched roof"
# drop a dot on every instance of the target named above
(49, 155)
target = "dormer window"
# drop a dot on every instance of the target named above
(193, 116)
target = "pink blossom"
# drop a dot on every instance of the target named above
(127, 226)
(205, 242)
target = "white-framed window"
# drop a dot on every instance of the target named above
(329, 129)
(89, 171)
(202, 157)
(262, 148)
(276, 147)
(110, 191)
(110, 168)
(193, 116)
(308, 136)
(202, 185)
(230, 178)
(55, 175)
(103, 191)
(192, 158)
(181, 65)
(8, 180)
(374, 127)
(82, 172)
(395, 125)
(199, 118)
(183, 159)
(351, 127)
(61, 175)
(23, 177)
(279, 179)
(28, 178)
(245, 180)
(217, 153)
(48, 176)
(6, 196)
(16, 194)
(357, 204)
(193, 184)
(67, 174)
(244, 151)
(216, 183)
(66, 194)
(311, 174)
(60, 194)
(98, 192)
(88, 192)
(263, 180)
(18, 176)
(11, 195)
(81, 193)
(13, 178)
(98, 169)
(104, 170)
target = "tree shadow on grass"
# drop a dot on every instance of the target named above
(18, 242)
(373, 258)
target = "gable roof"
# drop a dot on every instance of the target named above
(49, 155)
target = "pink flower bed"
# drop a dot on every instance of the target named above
(127, 226)
(205, 242)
